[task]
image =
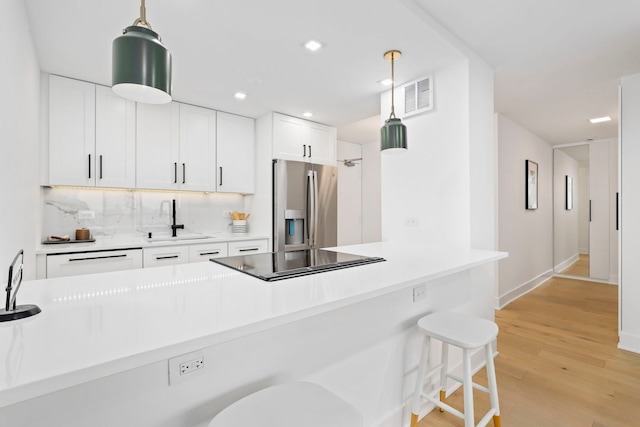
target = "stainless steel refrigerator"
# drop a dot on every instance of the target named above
(305, 206)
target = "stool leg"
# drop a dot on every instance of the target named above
(422, 367)
(444, 359)
(467, 388)
(493, 385)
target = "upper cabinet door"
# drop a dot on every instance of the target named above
(290, 138)
(236, 154)
(197, 166)
(115, 140)
(323, 143)
(157, 146)
(71, 132)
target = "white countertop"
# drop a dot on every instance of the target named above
(97, 325)
(104, 243)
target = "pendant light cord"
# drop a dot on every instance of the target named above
(142, 21)
(393, 80)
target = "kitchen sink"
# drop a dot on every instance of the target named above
(180, 237)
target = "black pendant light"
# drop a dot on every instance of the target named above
(393, 135)
(141, 69)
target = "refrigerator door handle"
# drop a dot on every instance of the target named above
(310, 208)
(315, 206)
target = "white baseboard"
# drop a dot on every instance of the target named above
(629, 342)
(503, 300)
(567, 262)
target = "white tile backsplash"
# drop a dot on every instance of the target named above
(124, 212)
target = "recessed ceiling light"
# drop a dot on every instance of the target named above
(600, 119)
(307, 114)
(385, 82)
(240, 95)
(313, 45)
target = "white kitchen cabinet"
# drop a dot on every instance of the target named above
(115, 159)
(175, 147)
(302, 140)
(71, 132)
(197, 157)
(74, 264)
(206, 251)
(157, 146)
(167, 255)
(235, 153)
(248, 247)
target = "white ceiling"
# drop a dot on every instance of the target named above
(557, 64)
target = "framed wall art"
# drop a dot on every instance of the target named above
(531, 185)
(569, 192)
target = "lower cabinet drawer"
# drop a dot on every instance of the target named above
(247, 247)
(74, 264)
(169, 255)
(206, 251)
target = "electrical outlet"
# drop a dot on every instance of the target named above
(191, 365)
(86, 215)
(411, 222)
(184, 367)
(419, 293)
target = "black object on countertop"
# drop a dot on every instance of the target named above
(57, 242)
(12, 311)
(274, 266)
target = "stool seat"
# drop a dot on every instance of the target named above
(298, 404)
(458, 329)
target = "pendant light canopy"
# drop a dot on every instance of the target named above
(141, 65)
(393, 135)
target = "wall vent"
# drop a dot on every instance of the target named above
(418, 96)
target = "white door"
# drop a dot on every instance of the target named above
(157, 146)
(197, 166)
(115, 140)
(71, 132)
(290, 138)
(599, 211)
(235, 153)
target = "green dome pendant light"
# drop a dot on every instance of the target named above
(141, 65)
(393, 135)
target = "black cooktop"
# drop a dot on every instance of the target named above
(274, 266)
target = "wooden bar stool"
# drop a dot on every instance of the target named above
(467, 333)
(298, 404)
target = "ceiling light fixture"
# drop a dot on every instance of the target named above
(307, 114)
(240, 95)
(313, 45)
(393, 134)
(600, 119)
(141, 65)
(385, 82)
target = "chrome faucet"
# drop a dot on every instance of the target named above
(174, 226)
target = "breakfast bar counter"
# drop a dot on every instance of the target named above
(120, 326)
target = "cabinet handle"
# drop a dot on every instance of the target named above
(98, 257)
(184, 168)
(175, 173)
(89, 166)
(304, 150)
(220, 176)
(100, 166)
(617, 211)
(248, 250)
(209, 253)
(589, 210)
(309, 151)
(167, 257)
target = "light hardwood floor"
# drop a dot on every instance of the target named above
(578, 268)
(558, 363)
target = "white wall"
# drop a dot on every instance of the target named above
(19, 112)
(349, 194)
(429, 184)
(371, 193)
(565, 222)
(526, 234)
(629, 300)
(583, 209)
